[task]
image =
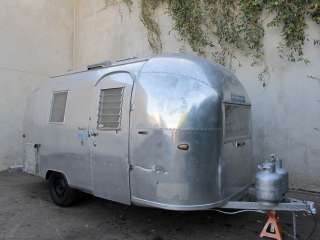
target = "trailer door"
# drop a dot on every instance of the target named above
(109, 134)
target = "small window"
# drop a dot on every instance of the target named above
(109, 116)
(58, 107)
(237, 121)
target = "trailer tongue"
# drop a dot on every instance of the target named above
(288, 205)
(272, 227)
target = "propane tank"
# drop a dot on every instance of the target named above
(284, 176)
(268, 184)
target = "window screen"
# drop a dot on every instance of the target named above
(109, 116)
(58, 107)
(237, 121)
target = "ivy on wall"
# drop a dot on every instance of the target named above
(147, 17)
(236, 24)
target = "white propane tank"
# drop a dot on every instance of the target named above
(269, 184)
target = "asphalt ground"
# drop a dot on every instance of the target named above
(27, 212)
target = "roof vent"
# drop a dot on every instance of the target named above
(126, 59)
(107, 63)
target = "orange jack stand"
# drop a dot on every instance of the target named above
(272, 229)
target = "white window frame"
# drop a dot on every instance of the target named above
(65, 109)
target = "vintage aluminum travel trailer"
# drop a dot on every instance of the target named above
(172, 132)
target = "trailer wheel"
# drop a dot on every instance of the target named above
(60, 191)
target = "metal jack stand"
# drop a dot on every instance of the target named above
(294, 224)
(288, 205)
(275, 227)
(273, 224)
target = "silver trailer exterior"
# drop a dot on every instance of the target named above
(171, 132)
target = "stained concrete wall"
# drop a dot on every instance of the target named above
(286, 111)
(36, 41)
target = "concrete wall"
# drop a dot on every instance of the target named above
(36, 41)
(286, 111)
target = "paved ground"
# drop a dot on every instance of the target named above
(26, 212)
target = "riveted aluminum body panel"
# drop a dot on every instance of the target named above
(176, 99)
(67, 147)
(179, 99)
(110, 153)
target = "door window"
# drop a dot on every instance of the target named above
(110, 104)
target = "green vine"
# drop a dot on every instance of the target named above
(292, 18)
(236, 24)
(314, 11)
(147, 18)
(188, 21)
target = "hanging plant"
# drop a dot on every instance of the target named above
(235, 23)
(147, 17)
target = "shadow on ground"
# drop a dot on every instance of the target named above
(27, 212)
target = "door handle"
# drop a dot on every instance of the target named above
(143, 132)
(240, 144)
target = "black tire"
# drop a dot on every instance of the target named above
(60, 191)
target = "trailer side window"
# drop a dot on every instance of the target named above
(58, 107)
(110, 104)
(236, 121)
